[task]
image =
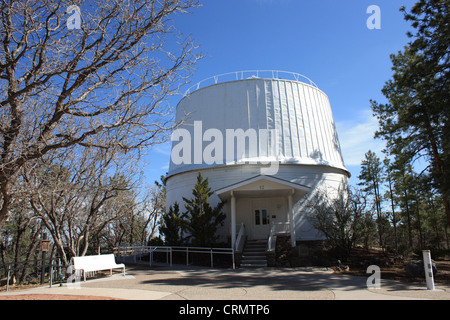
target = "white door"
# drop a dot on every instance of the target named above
(261, 222)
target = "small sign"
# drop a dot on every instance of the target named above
(45, 245)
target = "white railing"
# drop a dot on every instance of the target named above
(249, 74)
(276, 228)
(240, 238)
(137, 252)
(270, 241)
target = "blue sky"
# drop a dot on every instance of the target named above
(325, 40)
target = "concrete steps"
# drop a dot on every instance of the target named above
(254, 254)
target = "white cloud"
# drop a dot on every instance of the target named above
(163, 149)
(356, 138)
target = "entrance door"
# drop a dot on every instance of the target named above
(261, 222)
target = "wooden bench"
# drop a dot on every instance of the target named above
(96, 263)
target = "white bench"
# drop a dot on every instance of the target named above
(96, 263)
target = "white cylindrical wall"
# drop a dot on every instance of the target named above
(300, 113)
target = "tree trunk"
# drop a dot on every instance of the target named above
(394, 220)
(447, 210)
(6, 199)
(440, 169)
(408, 215)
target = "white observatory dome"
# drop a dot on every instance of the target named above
(266, 140)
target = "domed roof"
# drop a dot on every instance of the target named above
(255, 120)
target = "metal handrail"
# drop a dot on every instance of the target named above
(281, 227)
(53, 265)
(146, 249)
(136, 250)
(275, 229)
(251, 74)
(239, 242)
(270, 240)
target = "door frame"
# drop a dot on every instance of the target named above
(261, 230)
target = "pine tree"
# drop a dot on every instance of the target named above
(371, 179)
(402, 175)
(171, 226)
(390, 195)
(415, 121)
(201, 221)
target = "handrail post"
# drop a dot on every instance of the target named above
(232, 255)
(211, 258)
(51, 273)
(8, 275)
(151, 256)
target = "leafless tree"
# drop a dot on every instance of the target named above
(104, 85)
(17, 242)
(121, 215)
(70, 195)
(340, 218)
(139, 213)
(153, 208)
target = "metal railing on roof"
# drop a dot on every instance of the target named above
(250, 74)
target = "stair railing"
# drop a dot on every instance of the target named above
(275, 229)
(270, 245)
(240, 238)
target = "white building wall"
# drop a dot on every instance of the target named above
(315, 177)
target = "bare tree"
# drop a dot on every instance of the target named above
(70, 195)
(154, 206)
(340, 218)
(104, 85)
(140, 216)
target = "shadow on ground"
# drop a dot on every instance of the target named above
(273, 279)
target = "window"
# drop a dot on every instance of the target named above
(265, 218)
(261, 217)
(257, 218)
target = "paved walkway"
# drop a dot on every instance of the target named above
(193, 283)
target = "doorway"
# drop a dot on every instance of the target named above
(261, 220)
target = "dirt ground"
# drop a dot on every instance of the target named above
(391, 266)
(53, 297)
(50, 296)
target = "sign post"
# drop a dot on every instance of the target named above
(428, 269)
(45, 245)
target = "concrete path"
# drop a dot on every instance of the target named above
(193, 283)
